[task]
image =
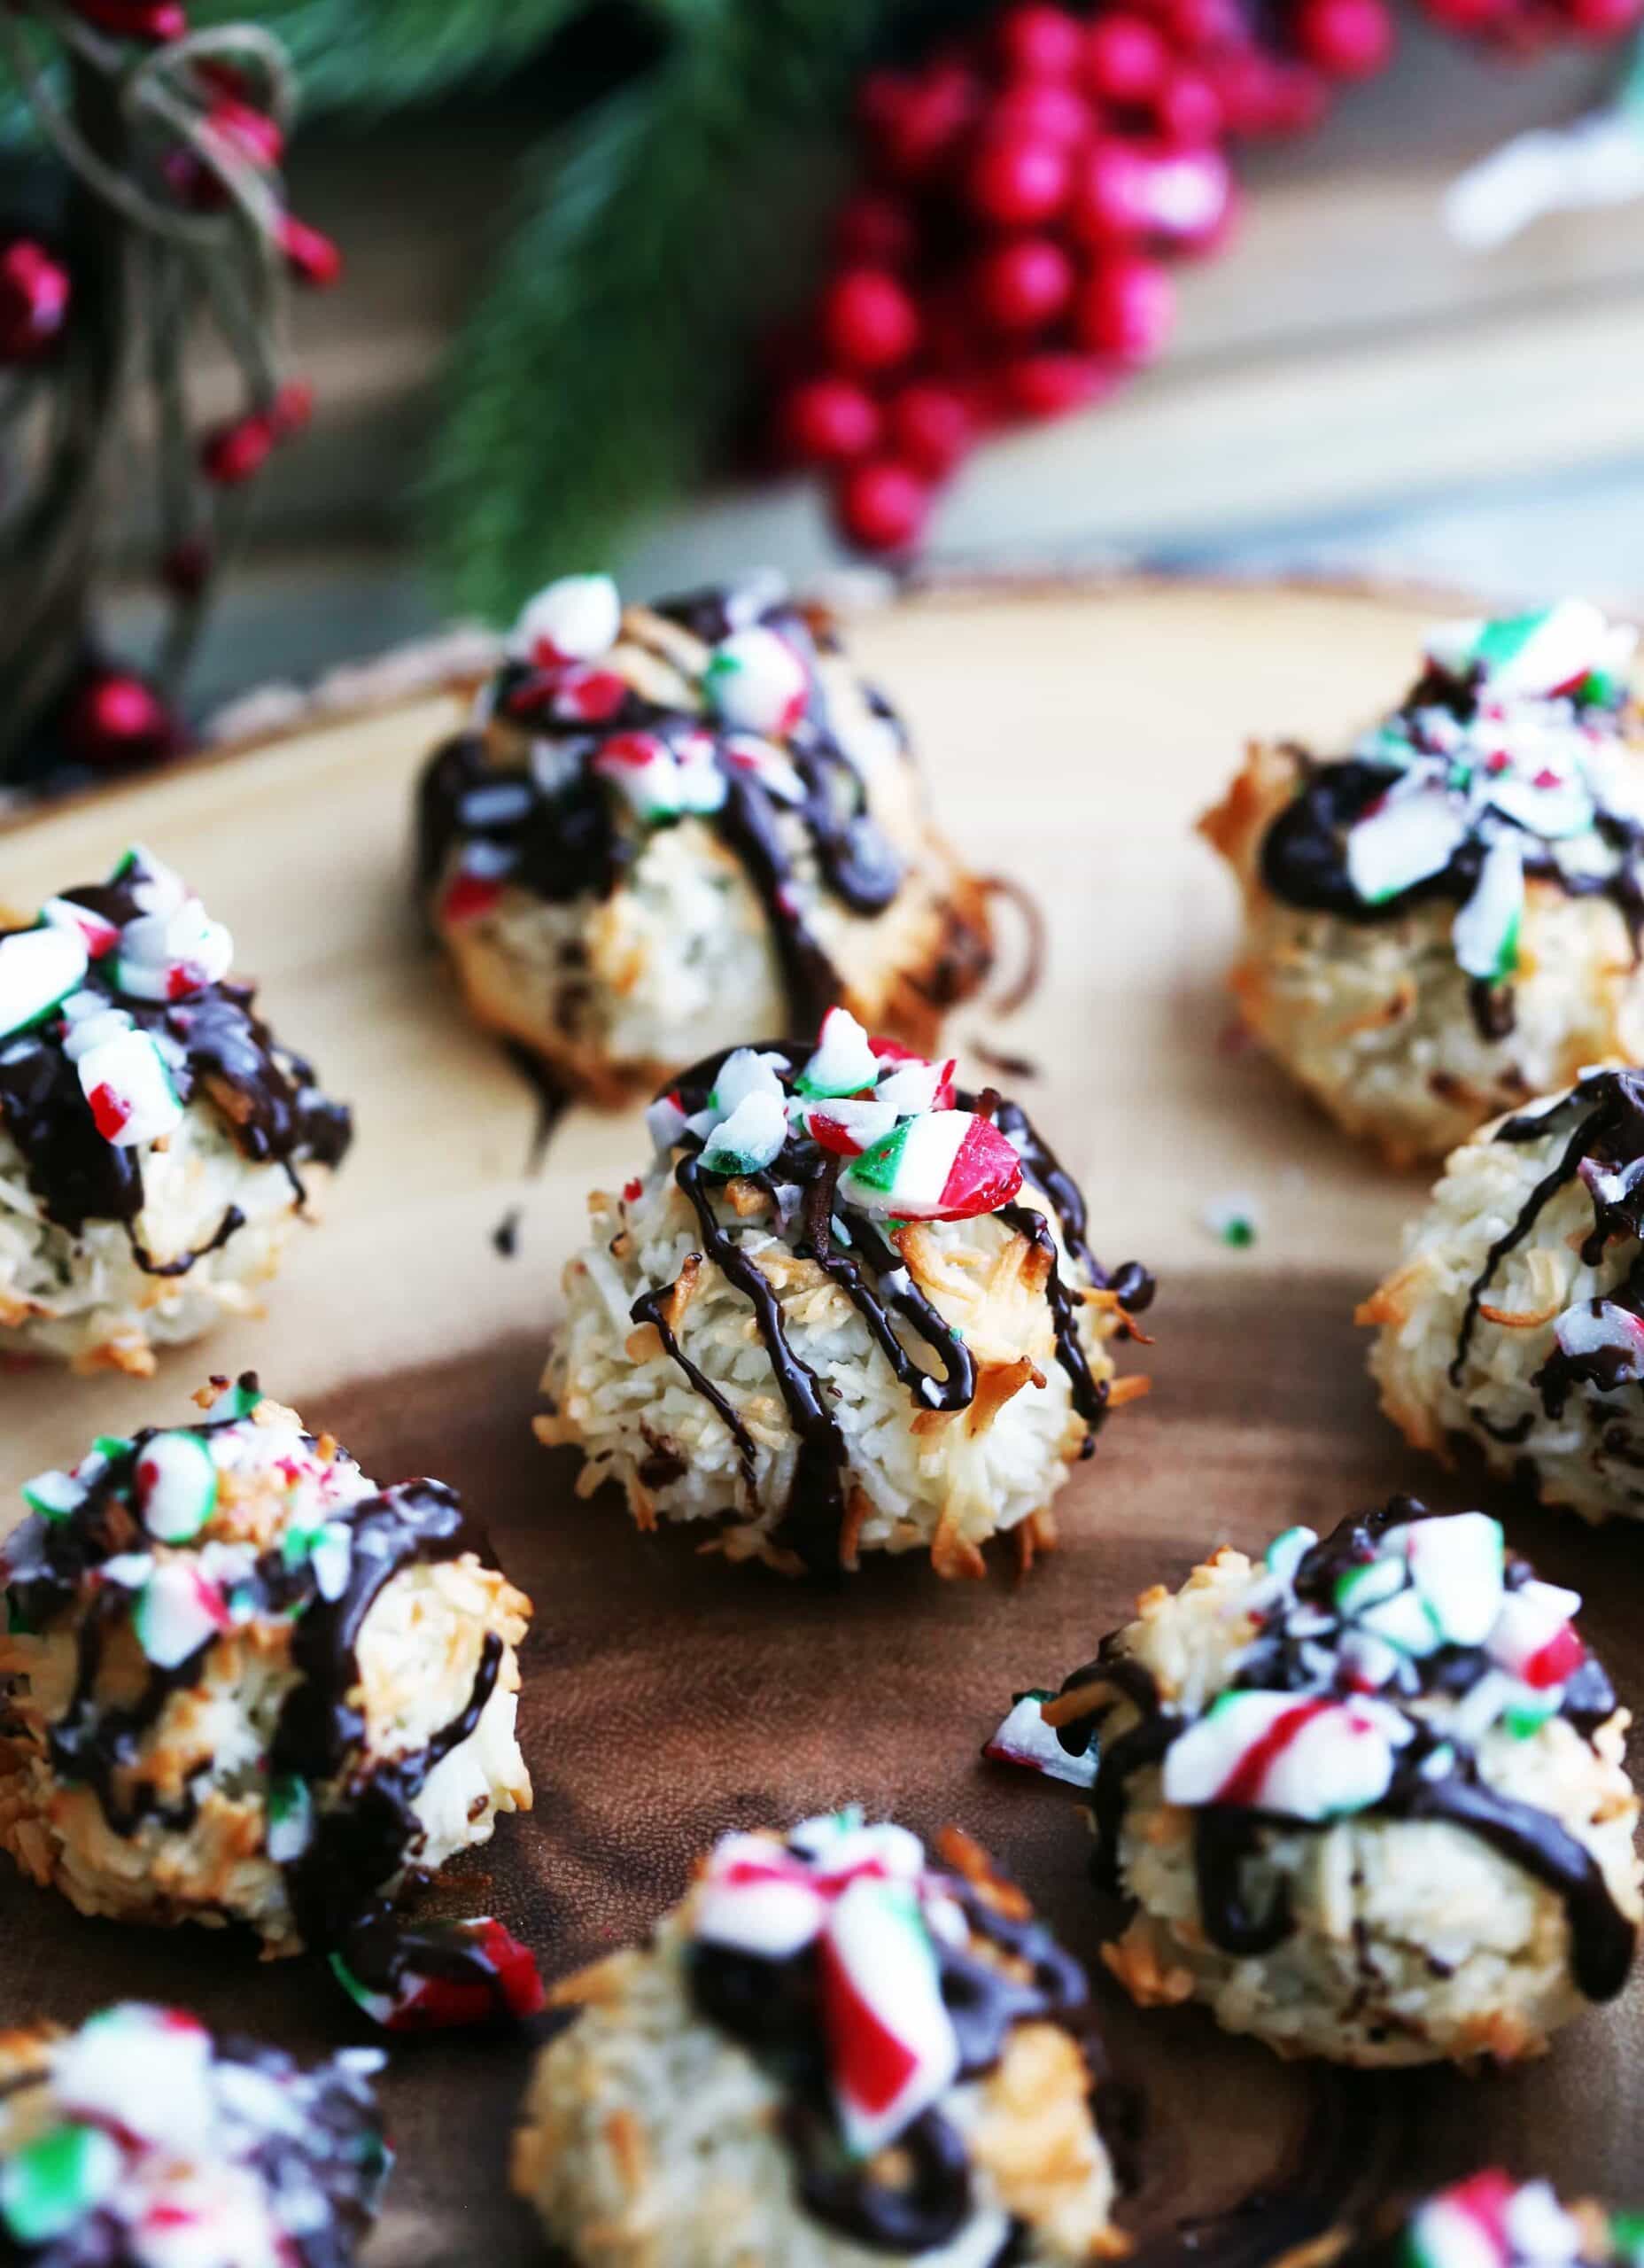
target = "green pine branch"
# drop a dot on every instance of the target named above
(376, 55)
(613, 345)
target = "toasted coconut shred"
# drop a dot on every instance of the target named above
(846, 1310)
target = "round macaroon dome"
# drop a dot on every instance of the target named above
(835, 2050)
(1446, 922)
(140, 2139)
(1492, 2220)
(156, 1140)
(1516, 1322)
(670, 825)
(245, 1684)
(1367, 1797)
(847, 1308)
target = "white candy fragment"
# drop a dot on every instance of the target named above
(1414, 832)
(1484, 933)
(575, 619)
(38, 969)
(750, 1139)
(757, 683)
(1025, 1739)
(125, 1080)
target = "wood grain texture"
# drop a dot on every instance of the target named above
(1071, 739)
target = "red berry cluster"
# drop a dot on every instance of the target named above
(1007, 258)
(1525, 27)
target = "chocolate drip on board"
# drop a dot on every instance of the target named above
(772, 2008)
(813, 1519)
(1601, 1938)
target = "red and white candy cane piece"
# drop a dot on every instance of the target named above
(140, 2071)
(850, 1125)
(1600, 1327)
(757, 683)
(95, 931)
(1305, 1757)
(125, 1080)
(758, 1899)
(913, 1086)
(949, 1165)
(575, 619)
(506, 1981)
(177, 1612)
(1533, 1638)
(168, 956)
(891, 2046)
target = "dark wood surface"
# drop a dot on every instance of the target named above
(667, 1697)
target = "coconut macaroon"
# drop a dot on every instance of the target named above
(668, 825)
(846, 1308)
(1516, 1322)
(156, 1140)
(833, 2052)
(1368, 1796)
(141, 2141)
(247, 1685)
(1446, 921)
(1489, 2220)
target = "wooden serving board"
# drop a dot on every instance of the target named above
(1071, 738)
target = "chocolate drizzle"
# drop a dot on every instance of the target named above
(214, 1045)
(1227, 1835)
(366, 1833)
(1605, 1151)
(569, 839)
(1303, 858)
(865, 1266)
(771, 2007)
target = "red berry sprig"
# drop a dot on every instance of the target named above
(1006, 257)
(33, 301)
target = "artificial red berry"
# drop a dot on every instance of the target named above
(1017, 180)
(869, 323)
(1603, 19)
(1202, 26)
(930, 426)
(1024, 284)
(1468, 17)
(155, 20)
(1126, 59)
(877, 230)
(1126, 308)
(1260, 95)
(312, 258)
(829, 421)
(116, 718)
(34, 293)
(1034, 42)
(1188, 110)
(883, 504)
(1350, 39)
(235, 452)
(912, 121)
(1049, 385)
(1110, 196)
(1044, 110)
(249, 133)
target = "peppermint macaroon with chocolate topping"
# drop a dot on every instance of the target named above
(835, 2050)
(1489, 2220)
(244, 1683)
(1367, 1796)
(1446, 921)
(847, 1308)
(156, 1140)
(141, 2141)
(670, 825)
(1516, 1321)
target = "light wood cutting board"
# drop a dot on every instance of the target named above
(1071, 738)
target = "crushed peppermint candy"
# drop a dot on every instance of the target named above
(1507, 754)
(140, 2138)
(1025, 1739)
(1491, 2221)
(757, 683)
(575, 619)
(440, 1976)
